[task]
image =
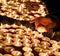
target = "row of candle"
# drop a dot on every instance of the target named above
(4, 2)
(21, 11)
(26, 42)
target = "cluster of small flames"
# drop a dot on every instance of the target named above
(18, 40)
(18, 10)
(22, 41)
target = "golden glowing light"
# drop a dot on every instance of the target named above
(21, 8)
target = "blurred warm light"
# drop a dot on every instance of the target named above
(13, 9)
(8, 39)
(13, 37)
(22, 36)
(34, 0)
(1, 25)
(41, 29)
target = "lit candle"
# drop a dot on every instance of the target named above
(12, 30)
(37, 15)
(21, 18)
(8, 40)
(21, 8)
(1, 26)
(28, 30)
(9, 49)
(20, 31)
(3, 14)
(21, 26)
(43, 54)
(27, 49)
(7, 26)
(14, 25)
(16, 53)
(9, 15)
(16, 16)
(17, 42)
(27, 44)
(28, 54)
(4, 30)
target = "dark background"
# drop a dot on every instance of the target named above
(53, 7)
